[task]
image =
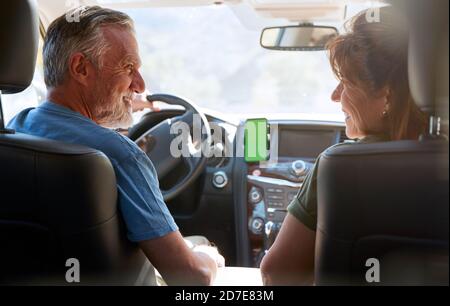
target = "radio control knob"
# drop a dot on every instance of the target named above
(254, 195)
(298, 167)
(257, 226)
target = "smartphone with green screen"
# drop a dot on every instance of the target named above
(256, 140)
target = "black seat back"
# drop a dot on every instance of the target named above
(19, 30)
(58, 201)
(389, 201)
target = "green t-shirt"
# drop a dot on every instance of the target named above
(304, 205)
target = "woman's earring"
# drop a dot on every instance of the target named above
(386, 110)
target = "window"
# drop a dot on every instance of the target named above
(207, 55)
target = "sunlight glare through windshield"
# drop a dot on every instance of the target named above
(207, 56)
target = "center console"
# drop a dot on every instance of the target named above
(270, 191)
(272, 185)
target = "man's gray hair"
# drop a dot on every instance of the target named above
(66, 36)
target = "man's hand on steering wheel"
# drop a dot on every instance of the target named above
(140, 103)
(165, 155)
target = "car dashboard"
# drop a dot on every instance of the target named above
(241, 205)
(270, 186)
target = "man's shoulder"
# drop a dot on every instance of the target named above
(121, 146)
(19, 118)
(70, 128)
(115, 145)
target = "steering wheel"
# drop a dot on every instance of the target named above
(163, 140)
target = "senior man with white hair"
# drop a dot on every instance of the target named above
(91, 70)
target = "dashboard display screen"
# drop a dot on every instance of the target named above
(304, 143)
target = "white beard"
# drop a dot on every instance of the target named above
(123, 121)
(114, 116)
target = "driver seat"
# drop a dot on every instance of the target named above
(58, 201)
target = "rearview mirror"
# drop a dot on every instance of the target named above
(297, 38)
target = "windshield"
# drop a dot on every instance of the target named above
(206, 55)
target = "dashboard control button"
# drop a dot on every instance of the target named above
(298, 168)
(254, 195)
(275, 204)
(275, 197)
(257, 226)
(256, 172)
(220, 179)
(274, 190)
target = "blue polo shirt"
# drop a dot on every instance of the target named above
(140, 199)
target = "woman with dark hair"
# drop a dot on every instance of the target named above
(371, 64)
